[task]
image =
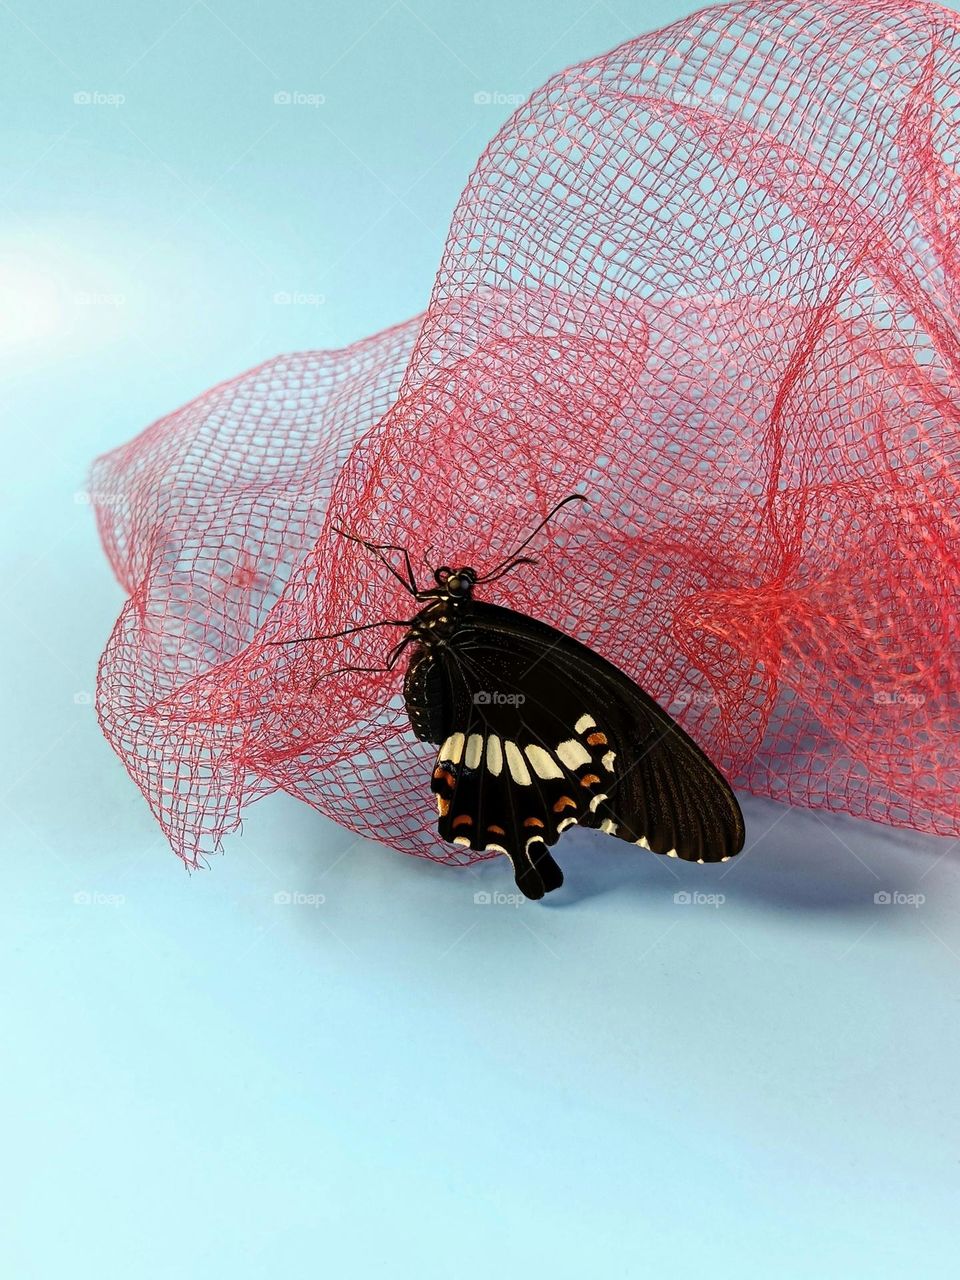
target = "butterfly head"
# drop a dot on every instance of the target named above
(458, 584)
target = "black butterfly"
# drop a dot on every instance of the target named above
(537, 733)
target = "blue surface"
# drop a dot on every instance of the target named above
(200, 1080)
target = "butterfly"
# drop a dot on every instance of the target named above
(537, 733)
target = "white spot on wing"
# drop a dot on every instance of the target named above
(608, 760)
(567, 822)
(585, 723)
(498, 848)
(544, 765)
(494, 755)
(517, 765)
(573, 753)
(609, 826)
(452, 749)
(464, 840)
(596, 802)
(474, 751)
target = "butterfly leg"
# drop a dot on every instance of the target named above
(392, 658)
(378, 548)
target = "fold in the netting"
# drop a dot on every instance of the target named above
(709, 279)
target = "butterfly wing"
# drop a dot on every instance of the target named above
(537, 732)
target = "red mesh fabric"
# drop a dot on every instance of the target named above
(710, 279)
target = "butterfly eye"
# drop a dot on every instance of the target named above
(461, 582)
(442, 574)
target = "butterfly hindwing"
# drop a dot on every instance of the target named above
(506, 784)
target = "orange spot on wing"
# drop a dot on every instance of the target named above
(589, 780)
(564, 803)
(597, 739)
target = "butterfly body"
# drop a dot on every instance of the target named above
(425, 689)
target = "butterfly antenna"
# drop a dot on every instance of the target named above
(514, 558)
(507, 568)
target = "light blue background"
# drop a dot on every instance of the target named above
(199, 1081)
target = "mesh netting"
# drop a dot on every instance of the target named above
(710, 279)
